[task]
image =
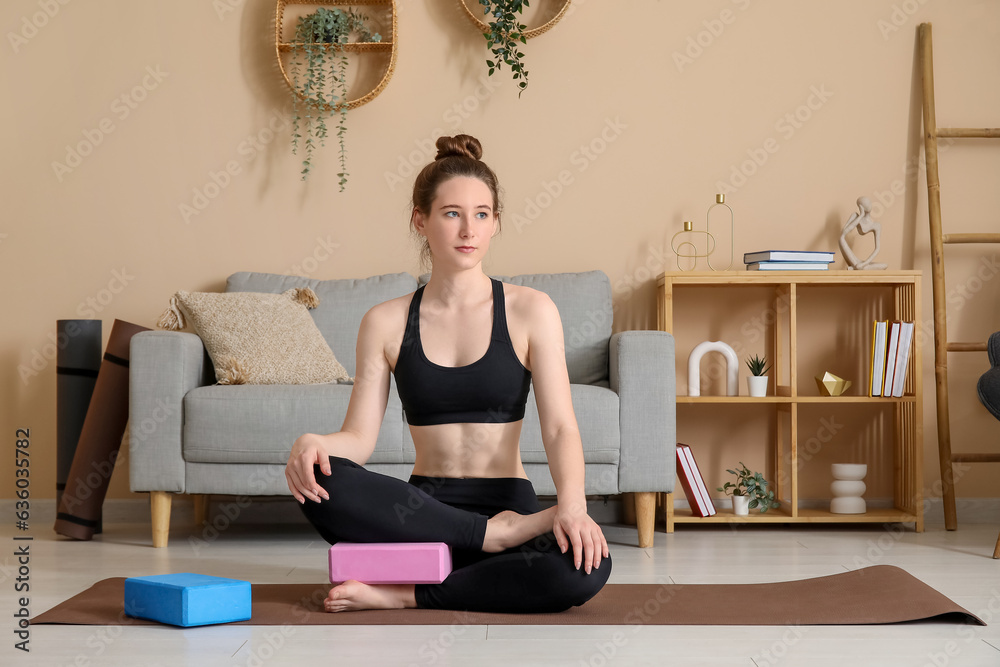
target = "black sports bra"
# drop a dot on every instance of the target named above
(492, 389)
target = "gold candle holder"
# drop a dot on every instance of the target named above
(685, 245)
(720, 200)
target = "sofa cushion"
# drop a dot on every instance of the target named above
(256, 338)
(585, 308)
(259, 423)
(342, 303)
(596, 410)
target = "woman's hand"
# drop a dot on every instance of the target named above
(307, 452)
(574, 528)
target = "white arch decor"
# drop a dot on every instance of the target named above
(694, 367)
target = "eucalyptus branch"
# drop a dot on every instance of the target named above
(504, 36)
(318, 45)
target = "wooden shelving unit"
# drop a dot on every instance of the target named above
(793, 289)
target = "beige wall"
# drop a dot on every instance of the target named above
(639, 136)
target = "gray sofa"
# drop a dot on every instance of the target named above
(189, 435)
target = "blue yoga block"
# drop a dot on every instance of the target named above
(187, 599)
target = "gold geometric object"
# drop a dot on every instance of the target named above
(386, 45)
(720, 200)
(831, 385)
(693, 255)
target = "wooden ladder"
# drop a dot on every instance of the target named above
(938, 240)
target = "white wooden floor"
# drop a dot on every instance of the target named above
(958, 564)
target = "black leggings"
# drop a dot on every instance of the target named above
(535, 577)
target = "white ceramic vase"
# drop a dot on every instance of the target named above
(757, 385)
(741, 505)
(848, 487)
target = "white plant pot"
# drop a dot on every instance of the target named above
(741, 505)
(757, 385)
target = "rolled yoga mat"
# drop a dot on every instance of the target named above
(94, 462)
(77, 362)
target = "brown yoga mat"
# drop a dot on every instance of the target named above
(79, 511)
(873, 595)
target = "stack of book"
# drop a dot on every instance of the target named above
(788, 260)
(890, 357)
(693, 483)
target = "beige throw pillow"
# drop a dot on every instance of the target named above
(256, 338)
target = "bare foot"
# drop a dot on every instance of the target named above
(353, 596)
(509, 529)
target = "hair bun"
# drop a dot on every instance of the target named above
(461, 145)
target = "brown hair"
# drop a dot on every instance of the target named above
(457, 156)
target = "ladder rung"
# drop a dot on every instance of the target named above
(966, 347)
(975, 458)
(969, 132)
(970, 238)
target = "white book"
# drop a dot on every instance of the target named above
(902, 358)
(788, 266)
(788, 256)
(890, 357)
(699, 483)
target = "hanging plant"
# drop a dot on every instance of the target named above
(319, 71)
(504, 36)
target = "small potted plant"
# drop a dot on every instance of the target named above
(749, 492)
(319, 72)
(757, 382)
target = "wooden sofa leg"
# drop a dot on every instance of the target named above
(200, 509)
(645, 511)
(160, 505)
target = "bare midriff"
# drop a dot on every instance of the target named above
(468, 450)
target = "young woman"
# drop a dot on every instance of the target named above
(463, 349)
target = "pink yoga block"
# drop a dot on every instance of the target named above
(390, 563)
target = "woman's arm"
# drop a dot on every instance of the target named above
(356, 438)
(561, 435)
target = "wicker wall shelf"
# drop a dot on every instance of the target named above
(528, 34)
(385, 46)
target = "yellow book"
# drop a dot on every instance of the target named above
(878, 358)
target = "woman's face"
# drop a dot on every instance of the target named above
(461, 222)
